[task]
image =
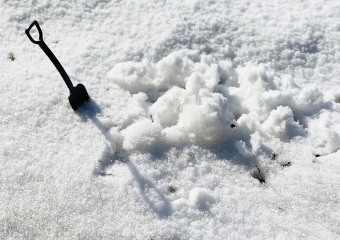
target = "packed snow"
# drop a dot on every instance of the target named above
(186, 98)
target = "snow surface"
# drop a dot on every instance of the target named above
(229, 85)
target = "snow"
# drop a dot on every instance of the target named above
(186, 98)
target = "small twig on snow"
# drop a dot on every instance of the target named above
(171, 189)
(286, 164)
(11, 56)
(261, 180)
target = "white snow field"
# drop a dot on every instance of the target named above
(230, 84)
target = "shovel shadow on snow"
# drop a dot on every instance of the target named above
(89, 111)
(165, 208)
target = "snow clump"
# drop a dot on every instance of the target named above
(199, 198)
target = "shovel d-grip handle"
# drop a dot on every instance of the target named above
(49, 53)
(27, 31)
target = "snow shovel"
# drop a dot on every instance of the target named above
(78, 94)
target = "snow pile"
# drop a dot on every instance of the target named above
(195, 99)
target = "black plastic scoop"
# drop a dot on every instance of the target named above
(78, 94)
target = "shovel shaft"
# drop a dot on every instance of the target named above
(57, 64)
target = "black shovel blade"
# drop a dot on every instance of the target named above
(78, 97)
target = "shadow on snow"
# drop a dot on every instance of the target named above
(89, 111)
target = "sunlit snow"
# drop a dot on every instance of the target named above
(186, 98)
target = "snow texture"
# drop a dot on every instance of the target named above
(186, 98)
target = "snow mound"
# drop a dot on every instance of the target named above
(195, 99)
